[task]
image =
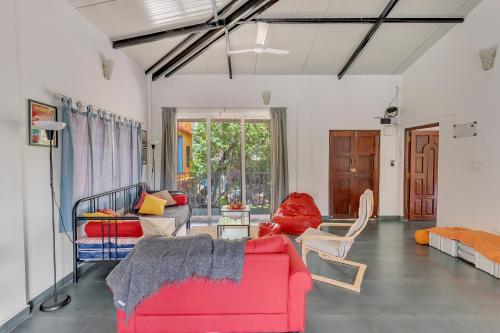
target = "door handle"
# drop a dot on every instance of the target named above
(353, 170)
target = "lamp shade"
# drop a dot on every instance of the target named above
(49, 125)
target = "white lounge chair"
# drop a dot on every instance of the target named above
(335, 248)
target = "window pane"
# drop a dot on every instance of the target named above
(193, 157)
(226, 163)
(258, 166)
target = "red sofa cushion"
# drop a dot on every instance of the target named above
(120, 229)
(297, 213)
(273, 244)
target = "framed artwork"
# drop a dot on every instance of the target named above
(40, 111)
(144, 155)
(144, 138)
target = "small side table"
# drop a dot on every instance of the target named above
(233, 218)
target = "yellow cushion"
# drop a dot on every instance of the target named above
(422, 237)
(96, 214)
(152, 206)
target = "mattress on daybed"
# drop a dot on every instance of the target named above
(95, 249)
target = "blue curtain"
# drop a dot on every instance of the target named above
(100, 152)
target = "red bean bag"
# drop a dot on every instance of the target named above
(297, 213)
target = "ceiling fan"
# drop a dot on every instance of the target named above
(259, 47)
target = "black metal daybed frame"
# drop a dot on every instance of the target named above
(122, 199)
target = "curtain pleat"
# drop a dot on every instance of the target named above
(99, 153)
(279, 158)
(169, 148)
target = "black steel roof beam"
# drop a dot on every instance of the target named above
(208, 38)
(155, 36)
(354, 20)
(194, 56)
(226, 33)
(170, 53)
(228, 48)
(224, 11)
(373, 30)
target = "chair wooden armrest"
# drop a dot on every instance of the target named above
(334, 224)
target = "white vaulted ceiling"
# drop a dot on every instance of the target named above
(315, 48)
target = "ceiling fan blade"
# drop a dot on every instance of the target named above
(261, 33)
(275, 51)
(241, 51)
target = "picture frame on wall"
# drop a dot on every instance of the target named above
(40, 111)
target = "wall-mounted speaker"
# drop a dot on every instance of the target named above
(107, 68)
(266, 97)
(488, 57)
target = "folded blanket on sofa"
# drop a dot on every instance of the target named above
(156, 261)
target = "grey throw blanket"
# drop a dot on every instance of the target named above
(157, 261)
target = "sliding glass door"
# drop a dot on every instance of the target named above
(221, 161)
(225, 139)
(258, 166)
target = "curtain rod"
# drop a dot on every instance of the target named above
(85, 107)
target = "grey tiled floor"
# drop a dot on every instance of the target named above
(407, 288)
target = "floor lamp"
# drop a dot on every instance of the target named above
(153, 146)
(55, 302)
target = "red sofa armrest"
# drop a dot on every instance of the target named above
(300, 282)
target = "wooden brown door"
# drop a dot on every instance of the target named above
(354, 167)
(424, 149)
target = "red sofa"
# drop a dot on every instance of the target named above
(297, 213)
(270, 298)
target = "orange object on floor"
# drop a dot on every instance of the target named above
(483, 242)
(422, 237)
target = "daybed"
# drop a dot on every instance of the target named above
(270, 298)
(111, 237)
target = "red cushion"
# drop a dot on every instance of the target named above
(120, 229)
(273, 244)
(181, 199)
(139, 203)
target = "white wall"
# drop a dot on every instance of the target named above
(58, 51)
(448, 85)
(12, 277)
(315, 105)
